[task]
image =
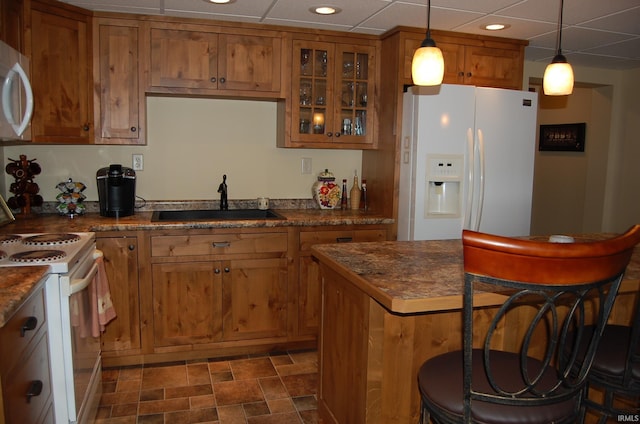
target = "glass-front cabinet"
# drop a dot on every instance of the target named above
(332, 95)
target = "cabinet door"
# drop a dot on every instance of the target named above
(486, 66)
(354, 95)
(60, 76)
(255, 298)
(187, 303)
(184, 59)
(122, 335)
(249, 63)
(312, 91)
(118, 106)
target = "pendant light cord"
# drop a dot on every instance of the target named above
(428, 18)
(559, 40)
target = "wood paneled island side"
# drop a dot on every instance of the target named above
(386, 308)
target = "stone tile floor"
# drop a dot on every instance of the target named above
(276, 388)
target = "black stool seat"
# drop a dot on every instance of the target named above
(447, 395)
(610, 359)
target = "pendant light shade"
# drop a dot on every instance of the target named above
(558, 77)
(427, 66)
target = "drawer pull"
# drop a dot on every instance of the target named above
(226, 269)
(344, 239)
(221, 244)
(34, 390)
(30, 324)
(217, 270)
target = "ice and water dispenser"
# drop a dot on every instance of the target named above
(444, 186)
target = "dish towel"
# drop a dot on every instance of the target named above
(92, 309)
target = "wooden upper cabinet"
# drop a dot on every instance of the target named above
(118, 102)
(12, 23)
(60, 53)
(194, 59)
(473, 59)
(332, 96)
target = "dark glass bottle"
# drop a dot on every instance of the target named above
(363, 199)
(344, 204)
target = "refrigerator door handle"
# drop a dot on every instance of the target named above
(470, 179)
(481, 171)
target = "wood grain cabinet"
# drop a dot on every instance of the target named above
(58, 42)
(309, 289)
(216, 289)
(474, 60)
(25, 395)
(332, 95)
(122, 335)
(119, 103)
(199, 59)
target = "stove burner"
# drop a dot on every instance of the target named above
(6, 239)
(32, 256)
(51, 239)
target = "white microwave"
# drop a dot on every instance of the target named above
(17, 97)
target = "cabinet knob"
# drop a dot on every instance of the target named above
(85, 127)
(35, 388)
(226, 269)
(329, 134)
(469, 74)
(223, 80)
(217, 270)
(132, 247)
(30, 324)
(213, 79)
(134, 129)
(461, 74)
(337, 134)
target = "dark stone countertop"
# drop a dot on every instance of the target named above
(421, 276)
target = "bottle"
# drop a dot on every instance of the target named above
(355, 193)
(343, 200)
(363, 199)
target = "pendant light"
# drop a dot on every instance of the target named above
(558, 77)
(427, 67)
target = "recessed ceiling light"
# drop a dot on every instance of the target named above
(220, 1)
(495, 27)
(325, 10)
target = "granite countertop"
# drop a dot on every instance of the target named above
(142, 221)
(16, 284)
(419, 276)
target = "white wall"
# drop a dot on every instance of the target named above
(191, 143)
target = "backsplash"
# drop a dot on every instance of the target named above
(191, 143)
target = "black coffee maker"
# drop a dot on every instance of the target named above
(116, 190)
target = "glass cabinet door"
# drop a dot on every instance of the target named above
(310, 102)
(354, 93)
(332, 93)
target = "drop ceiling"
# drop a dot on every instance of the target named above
(596, 33)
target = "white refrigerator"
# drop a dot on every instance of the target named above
(467, 159)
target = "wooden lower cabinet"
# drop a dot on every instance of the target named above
(187, 303)
(309, 271)
(25, 366)
(122, 335)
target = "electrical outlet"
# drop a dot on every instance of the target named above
(306, 165)
(138, 161)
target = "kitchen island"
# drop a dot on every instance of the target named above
(387, 307)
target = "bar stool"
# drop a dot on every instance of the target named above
(514, 372)
(616, 369)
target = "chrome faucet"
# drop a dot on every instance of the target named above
(222, 189)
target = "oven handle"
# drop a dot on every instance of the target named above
(79, 284)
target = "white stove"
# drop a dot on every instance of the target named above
(74, 358)
(60, 251)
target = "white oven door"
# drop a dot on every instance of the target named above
(80, 349)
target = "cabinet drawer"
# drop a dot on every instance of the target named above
(33, 371)
(308, 239)
(13, 338)
(218, 244)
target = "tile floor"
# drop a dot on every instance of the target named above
(278, 388)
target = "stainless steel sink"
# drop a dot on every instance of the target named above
(214, 215)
